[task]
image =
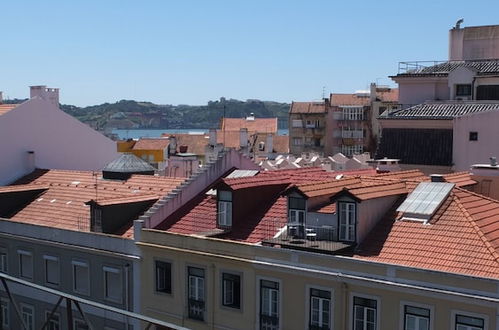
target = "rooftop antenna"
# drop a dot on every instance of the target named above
(323, 92)
(223, 125)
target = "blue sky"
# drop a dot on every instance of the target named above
(189, 52)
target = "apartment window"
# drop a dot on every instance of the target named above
(416, 318)
(297, 123)
(296, 219)
(473, 136)
(317, 123)
(196, 293)
(269, 305)
(25, 264)
(463, 90)
(231, 290)
(113, 288)
(320, 309)
(353, 113)
(365, 314)
(3, 260)
(465, 322)
(4, 305)
(163, 277)
(347, 221)
(349, 150)
(224, 208)
(297, 141)
(54, 322)
(81, 277)
(97, 219)
(28, 315)
(80, 325)
(52, 272)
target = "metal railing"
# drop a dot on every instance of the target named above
(313, 233)
(410, 66)
(196, 309)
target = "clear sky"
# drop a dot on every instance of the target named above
(189, 52)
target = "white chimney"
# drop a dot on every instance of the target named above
(47, 94)
(30, 161)
(172, 146)
(387, 165)
(213, 137)
(243, 137)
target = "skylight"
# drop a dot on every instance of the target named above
(422, 203)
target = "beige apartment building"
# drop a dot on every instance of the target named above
(307, 126)
(270, 251)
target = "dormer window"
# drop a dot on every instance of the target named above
(225, 208)
(296, 217)
(346, 218)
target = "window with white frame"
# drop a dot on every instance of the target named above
(320, 309)
(297, 141)
(416, 318)
(28, 315)
(113, 287)
(54, 322)
(3, 260)
(81, 277)
(163, 276)
(224, 208)
(353, 113)
(25, 264)
(5, 310)
(296, 216)
(296, 123)
(52, 271)
(364, 314)
(195, 288)
(347, 219)
(231, 290)
(466, 322)
(349, 150)
(269, 305)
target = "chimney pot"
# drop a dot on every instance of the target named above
(437, 178)
(493, 161)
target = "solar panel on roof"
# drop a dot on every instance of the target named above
(425, 199)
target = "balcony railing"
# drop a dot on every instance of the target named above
(314, 233)
(196, 309)
(352, 134)
(410, 66)
(269, 322)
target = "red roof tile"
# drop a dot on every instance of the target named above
(151, 144)
(4, 108)
(308, 107)
(260, 125)
(62, 205)
(349, 99)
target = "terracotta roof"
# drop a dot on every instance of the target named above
(308, 107)
(349, 99)
(62, 205)
(328, 208)
(260, 125)
(23, 188)
(460, 179)
(446, 110)
(127, 199)
(390, 95)
(329, 187)
(151, 144)
(378, 190)
(459, 239)
(4, 108)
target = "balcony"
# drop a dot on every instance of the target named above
(196, 309)
(269, 322)
(411, 66)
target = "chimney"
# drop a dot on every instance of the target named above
(385, 165)
(493, 161)
(269, 143)
(213, 137)
(437, 178)
(172, 146)
(243, 137)
(48, 94)
(251, 116)
(30, 161)
(373, 92)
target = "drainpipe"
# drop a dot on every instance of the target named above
(213, 267)
(127, 296)
(473, 94)
(344, 291)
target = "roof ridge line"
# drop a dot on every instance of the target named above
(477, 194)
(477, 229)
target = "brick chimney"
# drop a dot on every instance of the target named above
(48, 94)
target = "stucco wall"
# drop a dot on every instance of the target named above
(58, 140)
(466, 152)
(414, 91)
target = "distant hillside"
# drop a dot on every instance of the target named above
(132, 114)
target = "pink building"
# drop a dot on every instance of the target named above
(37, 134)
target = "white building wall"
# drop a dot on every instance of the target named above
(466, 152)
(58, 140)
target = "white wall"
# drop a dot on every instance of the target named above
(460, 75)
(370, 212)
(466, 152)
(58, 140)
(414, 91)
